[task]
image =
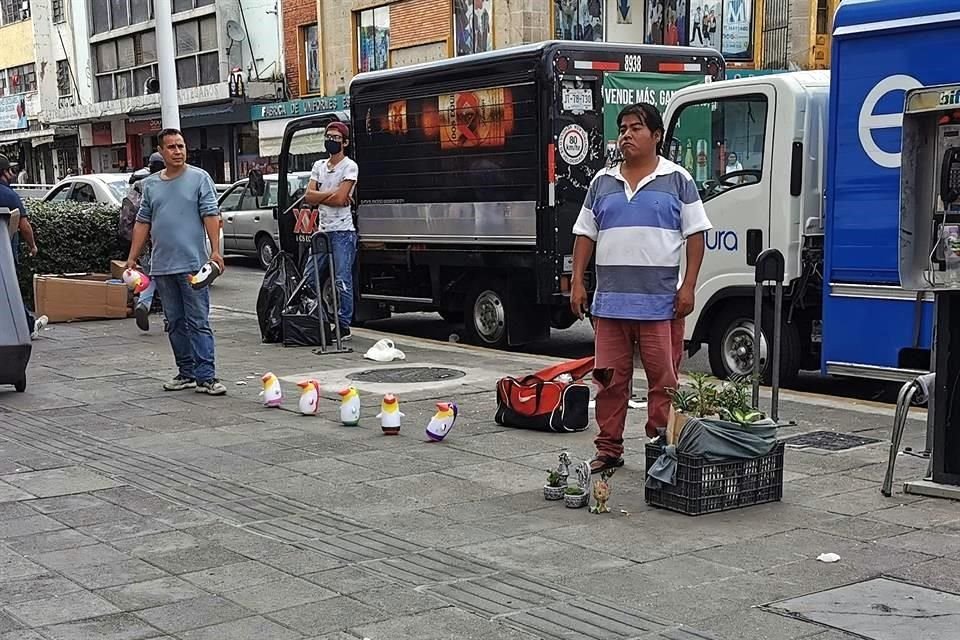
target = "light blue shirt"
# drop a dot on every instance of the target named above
(175, 209)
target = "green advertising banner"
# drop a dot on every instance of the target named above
(693, 131)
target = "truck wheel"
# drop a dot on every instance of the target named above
(266, 251)
(20, 385)
(731, 346)
(485, 315)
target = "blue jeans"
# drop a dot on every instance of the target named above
(187, 311)
(344, 244)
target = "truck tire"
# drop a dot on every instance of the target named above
(485, 314)
(731, 345)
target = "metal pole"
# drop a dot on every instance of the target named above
(775, 381)
(166, 64)
(757, 324)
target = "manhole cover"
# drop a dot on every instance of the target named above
(406, 375)
(827, 440)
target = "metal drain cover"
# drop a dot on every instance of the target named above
(879, 609)
(827, 440)
(406, 375)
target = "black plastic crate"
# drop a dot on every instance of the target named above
(702, 486)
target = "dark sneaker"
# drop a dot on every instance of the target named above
(345, 334)
(179, 383)
(142, 314)
(211, 388)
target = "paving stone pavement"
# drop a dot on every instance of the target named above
(130, 513)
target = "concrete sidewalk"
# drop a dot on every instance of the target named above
(130, 513)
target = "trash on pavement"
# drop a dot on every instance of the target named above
(384, 351)
(828, 557)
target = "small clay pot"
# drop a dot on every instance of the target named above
(553, 493)
(576, 501)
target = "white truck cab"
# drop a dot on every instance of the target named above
(755, 147)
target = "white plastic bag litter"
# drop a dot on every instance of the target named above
(384, 351)
(828, 557)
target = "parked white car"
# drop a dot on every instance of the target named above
(249, 225)
(101, 188)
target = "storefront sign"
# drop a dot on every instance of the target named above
(13, 113)
(296, 108)
(736, 42)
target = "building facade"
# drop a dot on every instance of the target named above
(106, 90)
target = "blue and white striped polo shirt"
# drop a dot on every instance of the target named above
(639, 236)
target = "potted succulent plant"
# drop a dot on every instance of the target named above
(553, 490)
(575, 497)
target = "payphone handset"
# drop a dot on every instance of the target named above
(950, 176)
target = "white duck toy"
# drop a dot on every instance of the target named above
(442, 421)
(309, 397)
(349, 406)
(390, 415)
(272, 394)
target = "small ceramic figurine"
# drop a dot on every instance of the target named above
(390, 415)
(138, 281)
(563, 469)
(349, 407)
(272, 394)
(583, 475)
(309, 397)
(442, 421)
(207, 274)
(601, 492)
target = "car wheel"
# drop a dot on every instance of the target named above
(266, 251)
(486, 313)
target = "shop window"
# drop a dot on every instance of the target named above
(578, 20)
(373, 38)
(198, 61)
(311, 59)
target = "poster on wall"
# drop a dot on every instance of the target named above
(623, 89)
(737, 29)
(705, 23)
(473, 26)
(13, 113)
(624, 12)
(578, 20)
(666, 22)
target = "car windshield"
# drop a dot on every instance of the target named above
(296, 185)
(119, 187)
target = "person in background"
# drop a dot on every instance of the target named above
(178, 209)
(128, 217)
(11, 200)
(733, 164)
(330, 189)
(638, 215)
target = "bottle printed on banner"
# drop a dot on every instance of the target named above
(688, 161)
(701, 160)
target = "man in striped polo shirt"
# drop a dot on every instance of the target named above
(638, 216)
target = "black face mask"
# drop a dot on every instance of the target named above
(332, 146)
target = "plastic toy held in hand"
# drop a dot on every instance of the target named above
(207, 274)
(390, 415)
(138, 281)
(442, 421)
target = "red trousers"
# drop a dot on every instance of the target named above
(661, 349)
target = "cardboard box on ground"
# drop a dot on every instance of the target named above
(71, 297)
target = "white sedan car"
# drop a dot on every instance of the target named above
(101, 188)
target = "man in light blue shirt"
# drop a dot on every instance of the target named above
(178, 211)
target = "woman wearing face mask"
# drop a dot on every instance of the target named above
(330, 190)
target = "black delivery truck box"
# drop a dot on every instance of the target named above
(14, 333)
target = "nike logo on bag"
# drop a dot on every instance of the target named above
(527, 399)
